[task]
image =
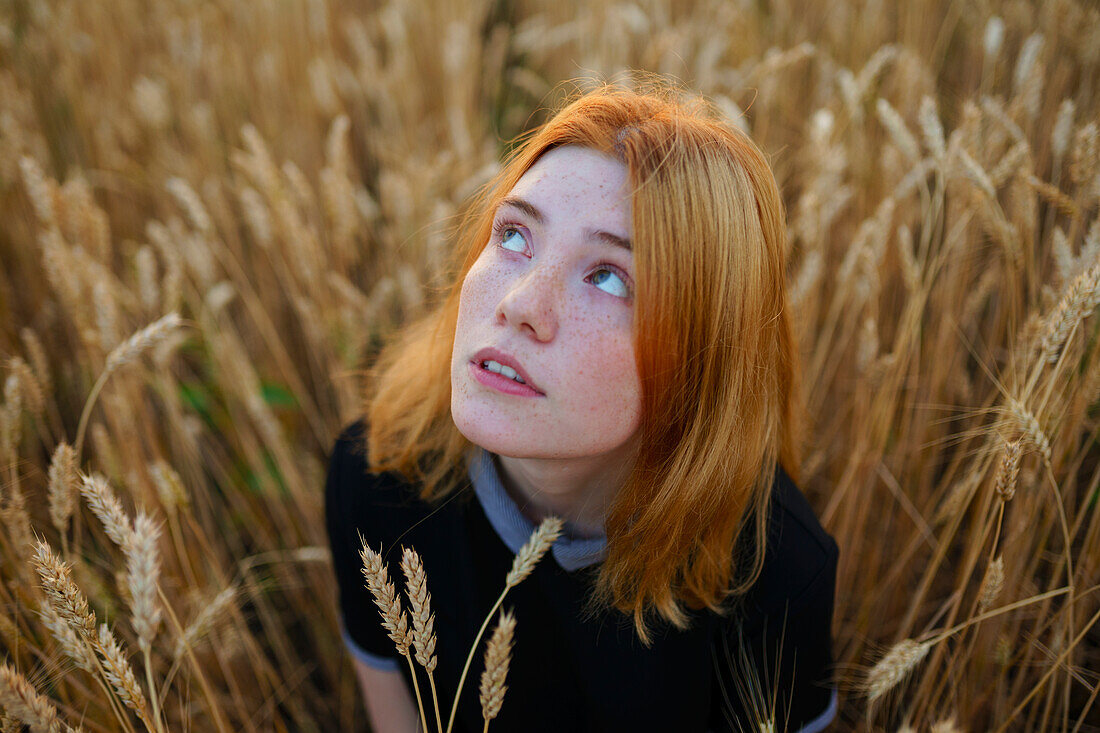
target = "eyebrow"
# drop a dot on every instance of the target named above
(532, 211)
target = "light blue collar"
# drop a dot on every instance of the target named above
(571, 552)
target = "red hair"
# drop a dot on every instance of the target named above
(713, 340)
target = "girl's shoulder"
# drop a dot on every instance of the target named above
(800, 558)
(359, 501)
(350, 477)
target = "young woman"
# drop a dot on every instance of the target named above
(617, 351)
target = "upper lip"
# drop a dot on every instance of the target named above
(506, 359)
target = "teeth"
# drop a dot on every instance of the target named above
(495, 366)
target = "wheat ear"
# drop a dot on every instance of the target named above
(993, 584)
(393, 618)
(106, 506)
(947, 725)
(529, 555)
(19, 698)
(62, 593)
(70, 605)
(120, 675)
(66, 638)
(1029, 424)
(498, 655)
(204, 621)
(416, 586)
(142, 571)
(894, 666)
(129, 350)
(1008, 471)
(62, 487)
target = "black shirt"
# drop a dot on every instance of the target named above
(772, 654)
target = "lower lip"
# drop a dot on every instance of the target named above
(501, 383)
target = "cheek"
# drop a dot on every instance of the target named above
(477, 288)
(607, 364)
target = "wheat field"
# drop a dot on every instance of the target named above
(212, 214)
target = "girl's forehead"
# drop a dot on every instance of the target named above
(579, 178)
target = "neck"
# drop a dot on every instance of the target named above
(579, 490)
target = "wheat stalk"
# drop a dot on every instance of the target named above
(932, 128)
(388, 602)
(29, 388)
(11, 415)
(416, 586)
(1079, 299)
(40, 190)
(533, 550)
(498, 655)
(18, 697)
(947, 725)
(142, 572)
(142, 341)
(63, 487)
(66, 638)
(126, 352)
(120, 675)
(393, 618)
(1029, 425)
(145, 266)
(61, 591)
(37, 355)
(205, 621)
(1008, 471)
(899, 132)
(170, 490)
(993, 583)
(106, 506)
(190, 202)
(898, 662)
(523, 564)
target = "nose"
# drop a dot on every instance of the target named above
(532, 302)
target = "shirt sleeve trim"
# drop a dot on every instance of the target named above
(822, 721)
(374, 661)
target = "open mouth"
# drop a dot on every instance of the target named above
(492, 375)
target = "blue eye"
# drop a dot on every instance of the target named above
(511, 234)
(618, 287)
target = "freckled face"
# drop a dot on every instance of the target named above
(553, 290)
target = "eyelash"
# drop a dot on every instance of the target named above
(499, 227)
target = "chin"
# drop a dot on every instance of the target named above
(488, 433)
